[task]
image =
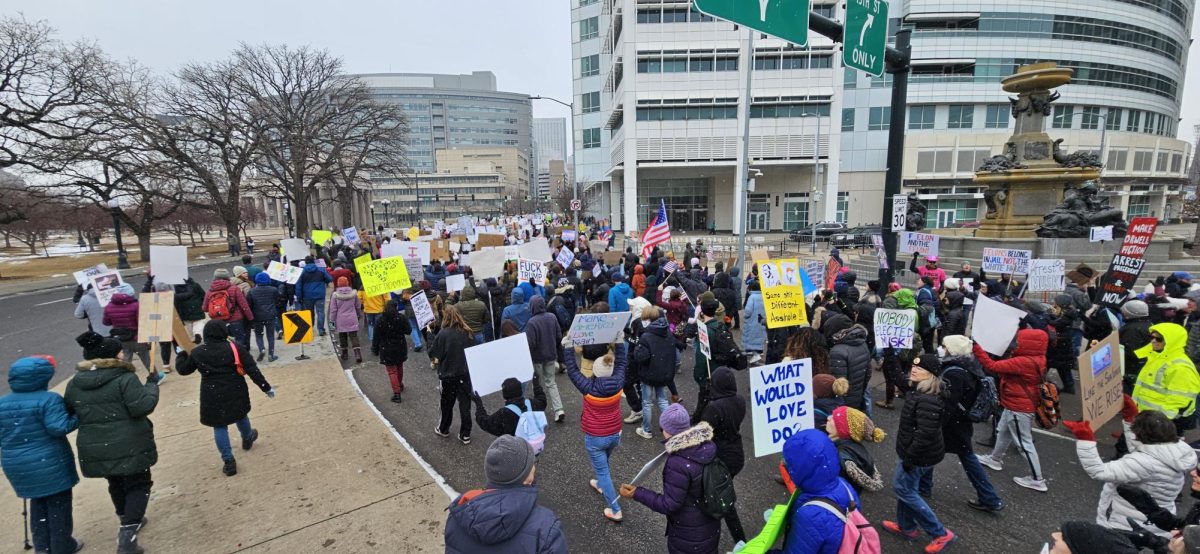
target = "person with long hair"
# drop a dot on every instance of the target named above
(390, 343)
(448, 354)
(808, 343)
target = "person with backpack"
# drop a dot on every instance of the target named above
(816, 516)
(310, 291)
(264, 304)
(1168, 383)
(919, 447)
(600, 419)
(1021, 375)
(725, 412)
(121, 314)
(517, 310)
(506, 420)
(34, 451)
(690, 450)
(344, 311)
(965, 383)
(225, 302)
(655, 358)
(391, 345)
(563, 304)
(504, 517)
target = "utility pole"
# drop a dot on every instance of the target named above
(743, 169)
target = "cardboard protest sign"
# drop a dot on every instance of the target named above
(759, 255)
(612, 258)
(781, 403)
(489, 239)
(702, 338)
(440, 250)
(105, 285)
(1127, 264)
(293, 249)
(422, 310)
(536, 249)
(924, 244)
(277, 271)
(1002, 323)
(1046, 275)
(488, 263)
(895, 328)
(782, 293)
(491, 363)
(588, 328)
(531, 270)
(383, 276)
(156, 316)
(565, 257)
(181, 334)
(84, 276)
(169, 264)
(511, 252)
(320, 237)
(1004, 260)
(350, 235)
(1100, 374)
(455, 282)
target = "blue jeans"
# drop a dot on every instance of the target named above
(599, 449)
(977, 476)
(317, 305)
(652, 395)
(240, 331)
(416, 333)
(911, 510)
(479, 339)
(371, 318)
(52, 523)
(221, 436)
(268, 328)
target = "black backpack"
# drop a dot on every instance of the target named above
(718, 495)
(725, 350)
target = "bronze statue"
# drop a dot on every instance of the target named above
(1078, 213)
(994, 197)
(916, 214)
(1079, 158)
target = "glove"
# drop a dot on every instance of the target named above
(478, 400)
(1081, 429)
(1129, 409)
(1144, 503)
(271, 393)
(1144, 538)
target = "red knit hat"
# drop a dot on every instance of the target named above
(893, 287)
(343, 282)
(855, 425)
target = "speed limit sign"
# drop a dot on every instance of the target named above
(576, 204)
(899, 212)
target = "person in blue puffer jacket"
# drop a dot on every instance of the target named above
(619, 295)
(530, 290)
(517, 309)
(34, 452)
(310, 292)
(812, 464)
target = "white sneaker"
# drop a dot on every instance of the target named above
(1031, 483)
(634, 417)
(642, 433)
(987, 460)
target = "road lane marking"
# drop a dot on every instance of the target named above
(51, 302)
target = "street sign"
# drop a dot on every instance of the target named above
(864, 35)
(297, 327)
(785, 19)
(899, 212)
(576, 205)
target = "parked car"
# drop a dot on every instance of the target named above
(824, 231)
(858, 237)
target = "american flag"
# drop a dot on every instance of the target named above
(605, 233)
(670, 267)
(658, 232)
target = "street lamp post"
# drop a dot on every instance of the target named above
(115, 208)
(816, 177)
(386, 203)
(374, 224)
(287, 208)
(574, 156)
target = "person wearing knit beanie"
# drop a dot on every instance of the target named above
(951, 284)
(96, 347)
(509, 461)
(957, 346)
(262, 278)
(893, 287)
(848, 428)
(829, 394)
(849, 423)
(1080, 537)
(220, 273)
(674, 420)
(1190, 539)
(1135, 309)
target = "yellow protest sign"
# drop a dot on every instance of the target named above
(361, 261)
(297, 327)
(320, 237)
(413, 233)
(783, 294)
(383, 276)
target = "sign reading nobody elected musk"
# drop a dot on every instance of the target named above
(781, 403)
(597, 328)
(895, 328)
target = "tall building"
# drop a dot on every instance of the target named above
(550, 140)
(506, 160)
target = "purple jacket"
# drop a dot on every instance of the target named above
(688, 528)
(122, 311)
(344, 308)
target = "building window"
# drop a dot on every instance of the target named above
(1139, 206)
(962, 116)
(1163, 161)
(970, 160)
(589, 28)
(997, 116)
(921, 117)
(591, 138)
(1091, 118)
(1134, 123)
(847, 120)
(590, 102)
(1176, 163)
(1117, 160)
(843, 207)
(1112, 122)
(795, 210)
(849, 78)
(1142, 160)
(583, 3)
(934, 161)
(1063, 116)
(589, 65)
(944, 213)
(880, 118)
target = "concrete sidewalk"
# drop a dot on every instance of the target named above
(325, 475)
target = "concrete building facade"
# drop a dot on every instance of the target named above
(550, 140)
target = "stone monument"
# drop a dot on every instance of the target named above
(1032, 177)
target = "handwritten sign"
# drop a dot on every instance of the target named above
(1100, 234)
(895, 328)
(531, 270)
(1004, 260)
(1100, 380)
(924, 244)
(293, 274)
(783, 293)
(350, 234)
(421, 309)
(277, 271)
(1047, 275)
(781, 403)
(565, 257)
(702, 337)
(597, 328)
(383, 276)
(84, 276)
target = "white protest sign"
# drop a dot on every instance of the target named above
(350, 234)
(895, 328)
(1100, 234)
(1001, 325)
(277, 271)
(649, 469)
(294, 249)
(1047, 276)
(416, 272)
(531, 270)
(294, 273)
(84, 276)
(899, 212)
(781, 403)
(1004, 260)
(597, 328)
(491, 363)
(105, 285)
(596, 271)
(455, 282)
(488, 263)
(565, 257)
(421, 309)
(511, 252)
(168, 264)
(536, 250)
(702, 337)
(407, 249)
(924, 244)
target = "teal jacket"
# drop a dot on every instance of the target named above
(34, 423)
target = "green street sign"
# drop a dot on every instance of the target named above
(864, 35)
(785, 19)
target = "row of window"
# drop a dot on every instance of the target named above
(713, 62)
(967, 161)
(483, 142)
(991, 70)
(483, 131)
(998, 116)
(1177, 9)
(696, 113)
(479, 108)
(474, 119)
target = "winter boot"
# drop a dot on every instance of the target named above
(357, 355)
(248, 442)
(344, 353)
(230, 468)
(127, 540)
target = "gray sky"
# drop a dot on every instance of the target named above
(526, 43)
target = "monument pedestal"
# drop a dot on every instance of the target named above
(1028, 195)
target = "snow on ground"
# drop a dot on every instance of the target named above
(62, 249)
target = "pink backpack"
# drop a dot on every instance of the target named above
(858, 537)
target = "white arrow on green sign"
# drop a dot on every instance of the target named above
(785, 19)
(865, 35)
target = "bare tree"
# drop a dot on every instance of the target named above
(373, 140)
(43, 218)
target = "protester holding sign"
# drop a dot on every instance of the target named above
(390, 344)
(448, 355)
(601, 417)
(1021, 375)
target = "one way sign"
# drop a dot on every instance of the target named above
(297, 327)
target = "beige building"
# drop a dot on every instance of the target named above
(507, 161)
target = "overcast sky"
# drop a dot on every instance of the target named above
(526, 43)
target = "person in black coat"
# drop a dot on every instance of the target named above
(1059, 355)
(956, 317)
(390, 343)
(504, 421)
(725, 412)
(850, 357)
(224, 397)
(655, 359)
(724, 294)
(1135, 334)
(448, 354)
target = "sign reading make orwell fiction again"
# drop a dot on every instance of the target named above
(597, 328)
(1127, 264)
(783, 293)
(781, 403)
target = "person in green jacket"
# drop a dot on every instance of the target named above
(474, 312)
(116, 437)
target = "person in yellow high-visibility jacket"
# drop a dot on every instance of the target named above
(1168, 383)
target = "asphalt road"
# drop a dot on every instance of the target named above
(564, 471)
